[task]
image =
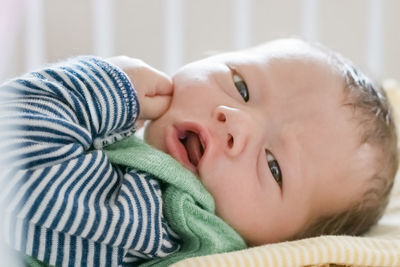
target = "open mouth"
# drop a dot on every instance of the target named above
(193, 146)
(187, 143)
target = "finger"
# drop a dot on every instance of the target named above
(158, 83)
(155, 107)
(164, 85)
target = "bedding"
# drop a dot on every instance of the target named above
(379, 247)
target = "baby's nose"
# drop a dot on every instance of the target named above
(232, 129)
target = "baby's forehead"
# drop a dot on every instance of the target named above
(288, 51)
(288, 47)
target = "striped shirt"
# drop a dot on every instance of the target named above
(65, 203)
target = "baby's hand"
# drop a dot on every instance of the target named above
(154, 88)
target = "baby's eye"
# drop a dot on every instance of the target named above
(241, 86)
(274, 167)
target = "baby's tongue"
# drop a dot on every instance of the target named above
(193, 147)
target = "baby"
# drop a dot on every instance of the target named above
(289, 138)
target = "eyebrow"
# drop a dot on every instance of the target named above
(232, 68)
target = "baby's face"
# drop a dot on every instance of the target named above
(267, 134)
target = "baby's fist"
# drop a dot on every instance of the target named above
(153, 88)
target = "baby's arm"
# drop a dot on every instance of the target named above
(66, 203)
(61, 111)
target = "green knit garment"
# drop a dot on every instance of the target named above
(187, 205)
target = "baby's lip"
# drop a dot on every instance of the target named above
(175, 137)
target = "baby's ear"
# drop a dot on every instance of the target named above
(392, 89)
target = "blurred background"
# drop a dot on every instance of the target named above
(170, 33)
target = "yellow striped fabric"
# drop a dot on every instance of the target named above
(318, 251)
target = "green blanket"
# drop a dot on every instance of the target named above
(188, 207)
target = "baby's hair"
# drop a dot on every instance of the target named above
(373, 113)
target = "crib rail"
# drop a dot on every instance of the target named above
(170, 33)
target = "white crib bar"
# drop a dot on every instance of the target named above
(102, 24)
(34, 34)
(374, 40)
(241, 24)
(309, 20)
(173, 35)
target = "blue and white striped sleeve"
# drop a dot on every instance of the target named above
(72, 106)
(66, 204)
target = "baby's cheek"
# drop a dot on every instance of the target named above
(154, 135)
